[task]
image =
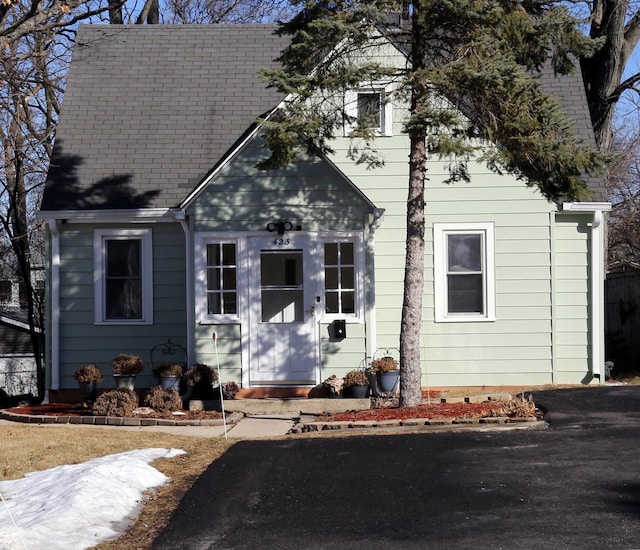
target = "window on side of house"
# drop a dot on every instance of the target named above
(342, 286)
(124, 281)
(221, 278)
(464, 272)
(370, 107)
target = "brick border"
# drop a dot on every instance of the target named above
(307, 427)
(232, 418)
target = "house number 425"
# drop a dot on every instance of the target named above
(281, 242)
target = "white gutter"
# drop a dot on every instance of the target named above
(54, 312)
(181, 217)
(597, 279)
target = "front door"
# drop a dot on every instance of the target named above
(283, 335)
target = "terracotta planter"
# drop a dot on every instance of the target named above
(125, 381)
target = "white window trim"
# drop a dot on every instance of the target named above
(358, 251)
(440, 231)
(203, 317)
(351, 108)
(99, 293)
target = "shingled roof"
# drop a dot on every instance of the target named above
(150, 110)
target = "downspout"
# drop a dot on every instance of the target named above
(597, 292)
(54, 313)
(597, 280)
(180, 216)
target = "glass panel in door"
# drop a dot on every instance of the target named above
(281, 286)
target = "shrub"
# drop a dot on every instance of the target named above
(200, 374)
(167, 368)
(88, 373)
(384, 364)
(120, 402)
(163, 400)
(127, 364)
(355, 378)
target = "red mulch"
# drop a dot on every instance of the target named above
(77, 409)
(433, 411)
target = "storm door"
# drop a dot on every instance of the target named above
(283, 330)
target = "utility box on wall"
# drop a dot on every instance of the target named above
(339, 329)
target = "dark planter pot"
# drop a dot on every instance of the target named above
(373, 384)
(170, 383)
(89, 390)
(125, 381)
(334, 395)
(388, 381)
(358, 391)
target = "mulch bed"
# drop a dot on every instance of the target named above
(433, 411)
(77, 409)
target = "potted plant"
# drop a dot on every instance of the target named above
(334, 385)
(169, 375)
(387, 373)
(356, 384)
(88, 377)
(200, 379)
(125, 368)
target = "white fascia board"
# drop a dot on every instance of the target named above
(109, 216)
(223, 162)
(586, 206)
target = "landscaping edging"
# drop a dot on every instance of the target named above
(232, 418)
(307, 427)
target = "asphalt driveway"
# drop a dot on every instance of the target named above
(573, 485)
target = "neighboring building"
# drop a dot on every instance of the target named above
(161, 227)
(17, 364)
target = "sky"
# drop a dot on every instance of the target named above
(77, 506)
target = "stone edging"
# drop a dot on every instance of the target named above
(232, 418)
(306, 427)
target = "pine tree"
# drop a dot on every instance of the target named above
(482, 56)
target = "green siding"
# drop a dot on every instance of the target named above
(310, 193)
(81, 341)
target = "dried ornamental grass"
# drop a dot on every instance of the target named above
(355, 378)
(88, 373)
(127, 364)
(120, 402)
(384, 364)
(167, 368)
(162, 400)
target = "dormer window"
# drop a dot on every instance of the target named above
(369, 107)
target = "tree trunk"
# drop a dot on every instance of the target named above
(411, 324)
(602, 73)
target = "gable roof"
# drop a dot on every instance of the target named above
(150, 111)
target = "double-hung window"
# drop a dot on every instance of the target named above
(464, 272)
(370, 107)
(123, 283)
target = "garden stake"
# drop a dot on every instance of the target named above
(224, 418)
